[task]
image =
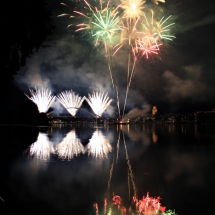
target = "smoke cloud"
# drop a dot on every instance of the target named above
(191, 86)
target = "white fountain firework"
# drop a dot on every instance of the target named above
(70, 146)
(43, 98)
(70, 101)
(42, 148)
(98, 145)
(99, 102)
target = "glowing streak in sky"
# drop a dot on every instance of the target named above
(42, 148)
(99, 102)
(144, 39)
(70, 101)
(129, 38)
(129, 77)
(98, 145)
(70, 146)
(43, 98)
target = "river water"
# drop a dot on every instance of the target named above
(68, 169)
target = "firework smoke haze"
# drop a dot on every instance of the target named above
(70, 101)
(136, 112)
(43, 98)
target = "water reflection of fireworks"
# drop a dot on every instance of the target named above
(145, 206)
(70, 146)
(43, 98)
(98, 145)
(42, 148)
(71, 101)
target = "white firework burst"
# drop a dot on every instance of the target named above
(43, 98)
(71, 101)
(99, 102)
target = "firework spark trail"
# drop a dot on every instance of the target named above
(70, 146)
(70, 101)
(42, 98)
(112, 165)
(129, 166)
(129, 38)
(98, 145)
(99, 102)
(117, 153)
(113, 85)
(42, 148)
(110, 177)
(145, 42)
(129, 186)
(105, 205)
(118, 105)
(128, 85)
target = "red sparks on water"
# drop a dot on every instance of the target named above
(146, 205)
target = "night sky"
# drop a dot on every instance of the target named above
(180, 79)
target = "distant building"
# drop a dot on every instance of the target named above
(205, 117)
(154, 110)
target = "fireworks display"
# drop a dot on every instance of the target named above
(98, 20)
(70, 146)
(99, 102)
(135, 24)
(145, 206)
(98, 145)
(42, 148)
(43, 98)
(70, 101)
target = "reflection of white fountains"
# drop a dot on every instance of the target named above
(42, 148)
(42, 98)
(70, 101)
(98, 145)
(70, 146)
(99, 102)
